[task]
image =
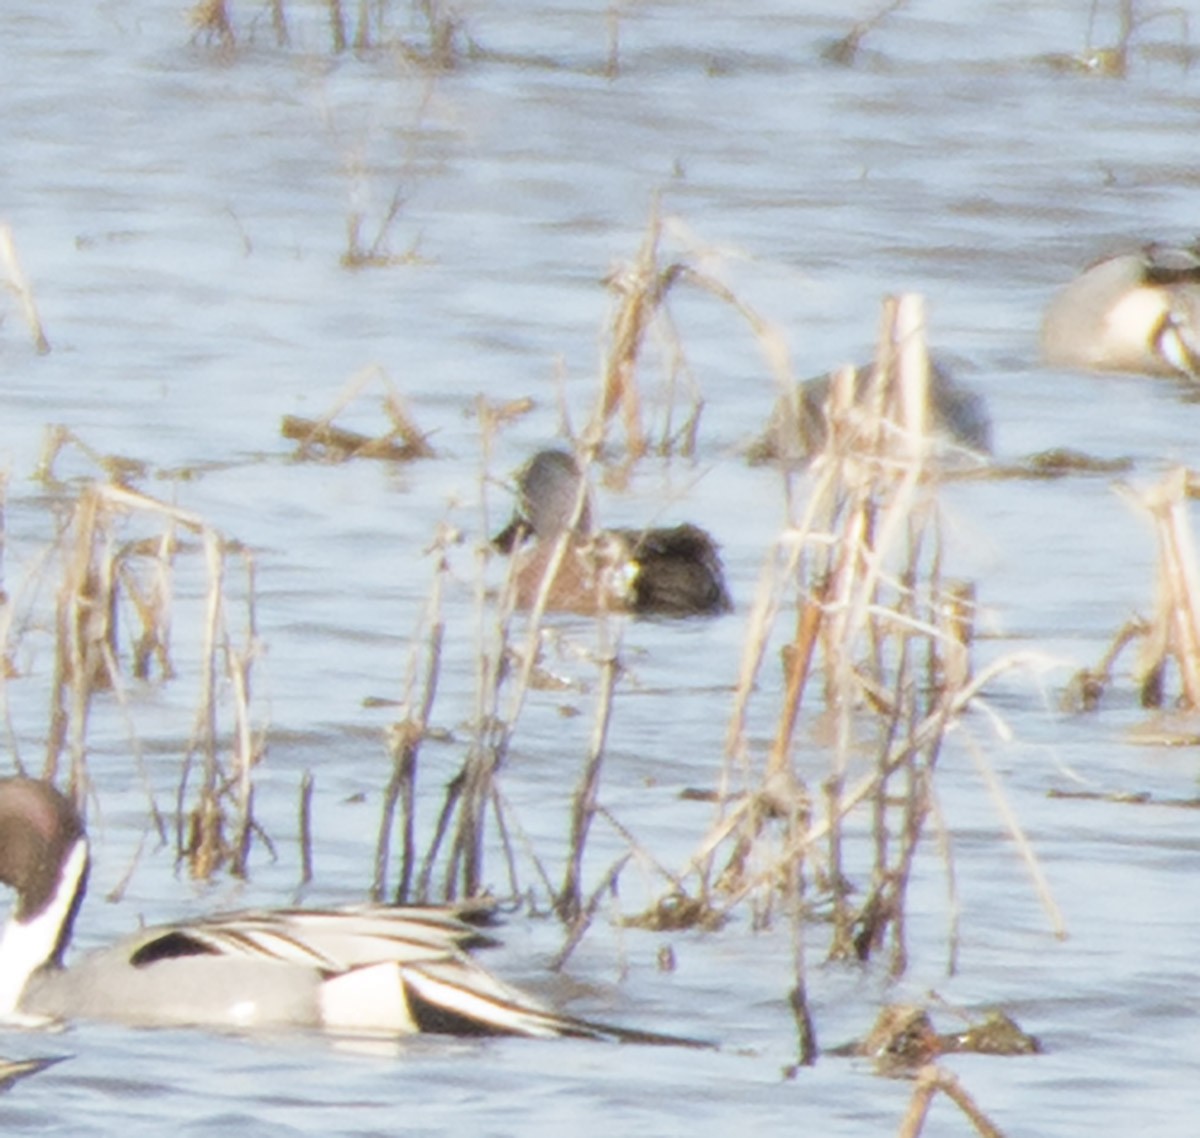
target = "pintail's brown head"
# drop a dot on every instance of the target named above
(39, 827)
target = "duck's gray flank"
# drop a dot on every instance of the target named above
(364, 969)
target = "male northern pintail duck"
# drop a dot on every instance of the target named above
(1135, 312)
(366, 970)
(797, 428)
(674, 571)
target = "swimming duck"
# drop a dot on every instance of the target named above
(673, 571)
(366, 970)
(797, 429)
(1134, 312)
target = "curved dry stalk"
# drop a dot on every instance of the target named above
(19, 284)
(951, 706)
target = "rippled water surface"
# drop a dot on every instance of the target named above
(182, 214)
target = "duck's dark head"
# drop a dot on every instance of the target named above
(42, 843)
(548, 489)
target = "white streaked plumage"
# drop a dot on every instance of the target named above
(1135, 312)
(366, 969)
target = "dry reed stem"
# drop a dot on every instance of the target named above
(279, 23)
(210, 19)
(583, 807)
(894, 641)
(204, 843)
(19, 284)
(337, 442)
(474, 787)
(612, 62)
(845, 50)
(377, 255)
(504, 677)
(491, 747)
(845, 579)
(337, 25)
(304, 828)
(247, 750)
(96, 575)
(642, 288)
(57, 439)
(1175, 628)
(638, 287)
(929, 1081)
(921, 736)
(1017, 833)
(405, 737)
(1088, 685)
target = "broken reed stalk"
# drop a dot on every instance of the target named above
(866, 555)
(58, 440)
(279, 23)
(569, 905)
(247, 749)
(845, 50)
(99, 574)
(404, 744)
(210, 19)
(85, 624)
(464, 808)
(638, 287)
(642, 288)
(494, 730)
(202, 829)
(19, 284)
(206, 848)
(337, 26)
(932, 1079)
(1175, 628)
(473, 799)
(320, 439)
(612, 63)
(858, 792)
(304, 828)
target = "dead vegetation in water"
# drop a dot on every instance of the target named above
(320, 440)
(931, 1081)
(1109, 56)
(881, 646)
(1047, 465)
(847, 50)
(509, 644)
(641, 289)
(378, 253)
(426, 33)
(18, 284)
(474, 815)
(118, 611)
(1167, 642)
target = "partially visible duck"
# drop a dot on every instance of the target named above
(797, 427)
(1134, 312)
(673, 571)
(366, 970)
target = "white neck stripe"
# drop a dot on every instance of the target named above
(27, 945)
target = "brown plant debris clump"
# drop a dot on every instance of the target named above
(321, 441)
(1169, 640)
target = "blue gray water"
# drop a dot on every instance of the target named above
(182, 216)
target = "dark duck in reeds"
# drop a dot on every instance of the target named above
(668, 572)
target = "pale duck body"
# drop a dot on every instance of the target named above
(368, 969)
(1135, 312)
